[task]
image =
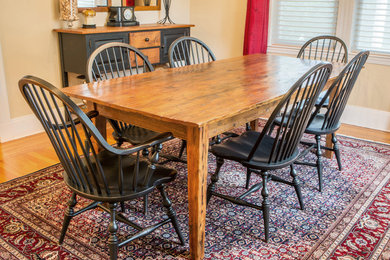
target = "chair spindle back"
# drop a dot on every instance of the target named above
(189, 51)
(73, 139)
(325, 48)
(295, 110)
(115, 60)
(340, 91)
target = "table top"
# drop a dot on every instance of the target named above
(199, 94)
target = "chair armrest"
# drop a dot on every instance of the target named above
(155, 141)
(90, 115)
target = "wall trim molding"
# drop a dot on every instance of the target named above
(20, 127)
(366, 117)
(353, 115)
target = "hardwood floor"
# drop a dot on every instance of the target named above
(29, 154)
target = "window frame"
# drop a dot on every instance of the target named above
(344, 30)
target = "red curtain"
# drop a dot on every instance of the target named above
(256, 28)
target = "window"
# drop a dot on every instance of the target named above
(297, 21)
(372, 25)
(86, 3)
(361, 24)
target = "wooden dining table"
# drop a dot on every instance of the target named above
(196, 103)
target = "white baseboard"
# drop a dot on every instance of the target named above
(366, 117)
(20, 127)
(354, 115)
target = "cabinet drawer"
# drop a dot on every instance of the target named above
(145, 39)
(152, 54)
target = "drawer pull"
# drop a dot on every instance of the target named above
(147, 39)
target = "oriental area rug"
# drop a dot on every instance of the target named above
(349, 219)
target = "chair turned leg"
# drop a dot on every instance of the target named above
(171, 213)
(265, 204)
(68, 216)
(146, 199)
(319, 161)
(248, 177)
(297, 186)
(122, 206)
(182, 148)
(112, 229)
(336, 151)
(214, 179)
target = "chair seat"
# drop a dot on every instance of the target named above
(239, 148)
(315, 126)
(110, 167)
(135, 135)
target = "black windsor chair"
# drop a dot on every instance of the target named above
(186, 51)
(326, 48)
(261, 152)
(115, 60)
(328, 121)
(107, 177)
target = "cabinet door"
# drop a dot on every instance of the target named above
(97, 40)
(169, 36)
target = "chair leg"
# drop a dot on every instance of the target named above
(171, 213)
(248, 177)
(319, 161)
(297, 186)
(122, 206)
(265, 204)
(336, 151)
(183, 146)
(68, 216)
(146, 199)
(214, 179)
(112, 229)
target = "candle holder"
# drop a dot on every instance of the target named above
(167, 5)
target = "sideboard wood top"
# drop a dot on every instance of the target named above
(107, 29)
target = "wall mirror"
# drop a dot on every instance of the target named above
(102, 5)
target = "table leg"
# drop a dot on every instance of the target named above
(197, 153)
(255, 125)
(328, 154)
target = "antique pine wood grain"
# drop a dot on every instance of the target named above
(107, 29)
(195, 103)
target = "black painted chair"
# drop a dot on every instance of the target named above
(328, 121)
(261, 152)
(115, 60)
(186, 51)
(325, 48)
(107, 177)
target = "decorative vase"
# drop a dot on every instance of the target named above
(68, 11)
(167, 5)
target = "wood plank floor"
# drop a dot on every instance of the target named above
(29, 154)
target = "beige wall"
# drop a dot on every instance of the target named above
(373, 88)
(220, 24)
(30, 47)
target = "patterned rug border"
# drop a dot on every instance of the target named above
(383, 182)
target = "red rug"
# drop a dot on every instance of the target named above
(348, 220)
